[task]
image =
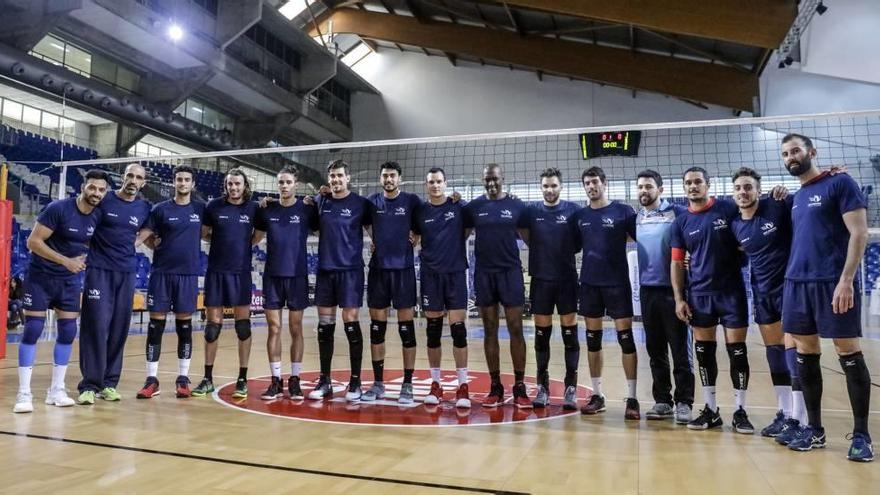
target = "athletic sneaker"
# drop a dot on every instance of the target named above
(354, 392)
(24, 403)
(775, 428)
(791, 429)
(181, 387)
(436, 394)
(741, 423)
(595, 405)
(376, 392)
(323, 389)
(861, 449)
(241, 389)
(275, 390)
(110, 394)
(810, 438)
(204, 388)
(293, 388)
(86, 398)
(495, 397)
(661, 410)
(462, 397)
(542, 398)
(521, 397)
(632, 410)
(150, 389)
(706, 420)
(683, 413)
(569, 399)
(406, 394)
(58, 397)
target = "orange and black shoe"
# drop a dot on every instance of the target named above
(495, 397)
(150, 389)
(521, 397)
(462, 397)
(181, 387)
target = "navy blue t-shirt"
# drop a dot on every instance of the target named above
(444, 247)
(819, 236)
(71, 232)
(112, 246)
(553, 241)
(766, 240)
(392, 220)
(231, 229)
(287, 230)
(341, 240)
(495, 222)
(179, 228)
(716, 261)
(603, 232)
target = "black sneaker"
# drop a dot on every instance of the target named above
(595, 405)
(631, 411)
(294, 389)
(275, 389)
(241, 389)
(706, 420)
(775, 428)
(741, 423)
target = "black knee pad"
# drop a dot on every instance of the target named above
(377, 331)
(184, 338)
(570, 337)
(212, 332)
(594, 340)
(155, 329)
(407, 332)
(459, 334)
(243, 329)
(626, 341)
(542, 338)
(434, 331)
(325, 332)
(353, 333)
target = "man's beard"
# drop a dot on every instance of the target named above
(800, 168)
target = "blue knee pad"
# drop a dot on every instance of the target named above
(27, 350)
(64, 341)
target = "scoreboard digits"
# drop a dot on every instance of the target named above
(610, 143)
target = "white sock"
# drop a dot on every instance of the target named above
(783, 399)
(597, 386)
(24, 379)
(435, 374)
(152, 368)
(59, 371)
(275, 368)
(295, 369)
(709, 396)
(631, 388)
(183, 367)
(740, 396)
(798, 406)
(462, 375)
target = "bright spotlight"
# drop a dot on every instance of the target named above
(175, 32)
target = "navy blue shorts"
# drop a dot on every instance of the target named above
(544, 295)
(227, 290)
(395, 288)
(806, 310)
(767, 306)
(443, 291)
(170, 292)
(343, 288)
(42, 292)
(731, 309)
(290, 291)
(507, 288)
(596, 301)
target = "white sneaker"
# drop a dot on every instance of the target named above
(354, 392)
(23, 403)
(58, 397)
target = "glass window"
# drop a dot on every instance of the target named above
(194, 111)
(52, 48)
(79, 60)
(68, 127)
(30, 115)
(127, 79)
(210, 118)
(12, 110)
(103, 69)
(141, 149)
(50, 121)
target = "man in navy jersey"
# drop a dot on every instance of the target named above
(553, 242)
(664, 332)
(498, 278)
(763, 230)
(228, 224)
(712, 292)
(109, 288)
(392, 278)
(821, 297)
(58, 246)
(286, 225)
(340, 281)
(439, 223)
(174, 232)
(604, 227)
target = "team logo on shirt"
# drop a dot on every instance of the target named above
(90, 230)
(111, 214)
(449, 215)
(608, 222)
(71, 229)
(400, 211)
(561, 219)
(173, 219)
(815, 200)
(194, 217)
(244, 219)
(425, 301)
(94, 294)
(149, 300)
(224, 217)
(719, 224)
(27, 300)
(294, 218)
(768, 228)
(506, 214)
(133, 221)
(345, 212)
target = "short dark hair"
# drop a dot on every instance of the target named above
(793, 135)
(98, 174)
(594, 172)
(289, 169)
(338, 164)
(183, 169)
(651, 174)
(746, 172)
(697, 169)
(490, 166)
(552, 172)
(434, 170)
(391, 166)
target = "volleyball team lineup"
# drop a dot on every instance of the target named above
(803, 250)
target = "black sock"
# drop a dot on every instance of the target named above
(242, 373)
(209, 372)
(542, 353)
(407, 375)
(810, 372)
(707, 362)
(519, 376)
(495, 377)
(355, 348)
(572, 354)
(739, 365)
(379, 370)
(325, 347)
(858, 384)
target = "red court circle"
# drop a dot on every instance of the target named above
(388, 412)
